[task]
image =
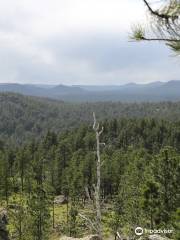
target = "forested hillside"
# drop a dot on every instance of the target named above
(48, 149)
(140, 179)
(25, 117)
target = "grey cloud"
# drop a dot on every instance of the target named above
(78, 57)
(94, 58)
(106, 53)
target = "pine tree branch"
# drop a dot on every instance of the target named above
(156, 13)
(160, 39)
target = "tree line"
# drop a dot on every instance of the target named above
(23, 118)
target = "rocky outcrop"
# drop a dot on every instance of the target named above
(61, 199)
(154, 237)
(90, 237)
(3, 223)
(157, 237)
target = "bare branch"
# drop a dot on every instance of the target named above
(102, 129)
(102, 163)
(160, 39)
(97, 188)
(94, 124)
(97, 128)
(94, 186)
(118, 235)
(89, 222)
(87, 194)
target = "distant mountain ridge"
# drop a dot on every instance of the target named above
(131, 92)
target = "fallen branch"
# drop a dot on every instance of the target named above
(88, 221)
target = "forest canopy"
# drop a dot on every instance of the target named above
(25, 117)
(139, 181)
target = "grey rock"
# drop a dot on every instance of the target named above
(156, 237)
(3, 223)
(90, 237)
(61, 199)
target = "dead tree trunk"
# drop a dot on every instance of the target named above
(97, 225)
(97, 188)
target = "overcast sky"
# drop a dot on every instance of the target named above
(79, 42)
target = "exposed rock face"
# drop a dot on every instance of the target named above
(61, 199)
(90, 237)
(3, 223)
(156, 237)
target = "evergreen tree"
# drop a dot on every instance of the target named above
(39, 202)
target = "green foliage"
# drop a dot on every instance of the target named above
(25, 118)
(18, 224)
(139, 184)
(175, 46)
(38, 207)
(73, 213)
(176, 224)
(164, 24)
(138, 33)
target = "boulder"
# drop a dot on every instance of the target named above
(61, 199)
(90, 237)
(3, 223)
(156, 237)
